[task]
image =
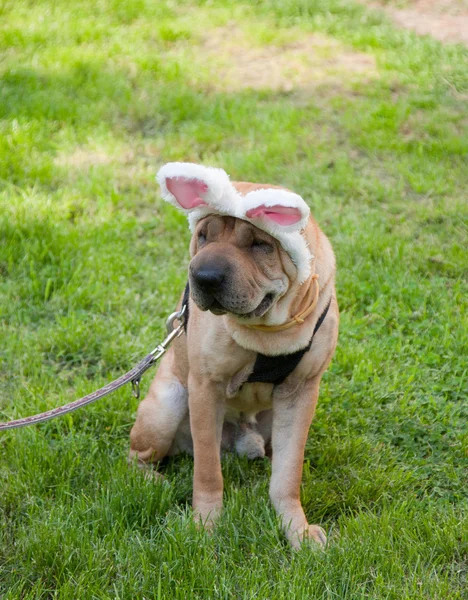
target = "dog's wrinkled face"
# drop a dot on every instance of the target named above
(237, 268)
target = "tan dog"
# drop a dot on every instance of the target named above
(244, 287)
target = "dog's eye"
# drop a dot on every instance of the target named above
(261, 245)
(201, 238)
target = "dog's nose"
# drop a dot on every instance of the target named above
(209, 278)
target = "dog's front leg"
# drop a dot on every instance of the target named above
(291, 421)
(207, 407)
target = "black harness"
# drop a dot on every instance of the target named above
(270, 369)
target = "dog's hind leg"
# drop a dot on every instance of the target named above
(264, 427)
(158, 417)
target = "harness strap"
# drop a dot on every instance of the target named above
(275, 369)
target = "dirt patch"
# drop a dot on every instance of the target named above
(238, 63)
(83, 158)
(444, 20)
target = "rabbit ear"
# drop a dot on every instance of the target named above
(277, 209)
(187, 192)
(283, 215)
(189, 186)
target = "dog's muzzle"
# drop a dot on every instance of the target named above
(213, 287)
(208, 281)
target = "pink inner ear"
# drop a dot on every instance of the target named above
(187, 191)
(283, 215)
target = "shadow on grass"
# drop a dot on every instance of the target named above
(79, 96)
(47, 111)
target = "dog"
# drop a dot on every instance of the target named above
(261, 329)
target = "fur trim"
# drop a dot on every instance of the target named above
(297, 247)
(289, 236)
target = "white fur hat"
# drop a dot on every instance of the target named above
(199, 191)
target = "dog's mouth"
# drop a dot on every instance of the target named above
(217, 308)
(265, 304)
(262, 308)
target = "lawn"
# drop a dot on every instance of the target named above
(369, 123)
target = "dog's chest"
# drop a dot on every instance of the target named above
(250, 399)
(234, 365)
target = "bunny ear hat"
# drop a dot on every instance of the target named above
(200, 191)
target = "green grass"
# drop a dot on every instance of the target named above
(94, 96)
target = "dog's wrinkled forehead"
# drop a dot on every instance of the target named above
(230, 229)
(199, 191)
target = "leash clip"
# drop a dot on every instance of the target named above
(176, 316)
(136, 387)
(173, 332)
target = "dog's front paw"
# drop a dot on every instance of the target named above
(206, 512)
(206, 522)
(311, 533)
